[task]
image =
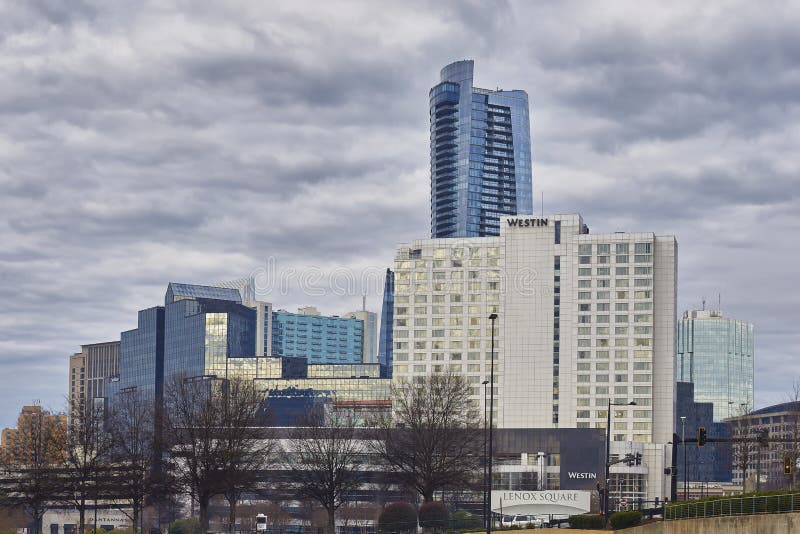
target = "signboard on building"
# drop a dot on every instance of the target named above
(582, 462)
(557, 502)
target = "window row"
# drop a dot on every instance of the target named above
(619, 306)
(619, 248)
(618, 271)
(602, 260)
(606, 295)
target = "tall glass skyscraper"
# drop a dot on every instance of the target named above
(715, 353)
(480, 155)
(385, 338)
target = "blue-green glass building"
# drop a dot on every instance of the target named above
(318, 338)
(715, 353)
(480, 155)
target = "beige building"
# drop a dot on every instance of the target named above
(583, 320)
(91, 370)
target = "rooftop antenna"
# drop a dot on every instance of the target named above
(542, 213)
(704, 304)
(364, 302)
(719, 302)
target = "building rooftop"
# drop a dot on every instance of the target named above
(176, 291)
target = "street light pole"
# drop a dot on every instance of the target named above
(492, 318)
(685, 463)
(608, 454)
(486, 511)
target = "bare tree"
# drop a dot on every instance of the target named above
(433, 443)
(215, 435)
(87, 458)
(28, 480)
(192, 425)
(246, 450)
(744, 452)
(326, 458)
(132, 425)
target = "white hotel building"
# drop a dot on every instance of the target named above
(583, 319)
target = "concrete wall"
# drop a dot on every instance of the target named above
(747, 524)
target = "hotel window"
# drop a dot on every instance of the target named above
(643, 248)
(643, 270)
(622, 259)
(585, 249)
(603, 306)
(585, 271)
(603, 295)
(602, 259)
(584, 331)
(620, 318)
(584, 366)
(643, 306)
(621, 271)
(621, 282)
(603, 271)
(622, 294)
(603, 249)
(584, 260)
(601, 331)
(602, 318)
(643, 294)
(584, 283)
(584, 295)
(584, 307)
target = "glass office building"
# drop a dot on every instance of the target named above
(141, 363)
(318, 338)
(201, 335)
(715, 353)
(480, 155)
(385, 337)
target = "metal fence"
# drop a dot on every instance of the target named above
(738, 505)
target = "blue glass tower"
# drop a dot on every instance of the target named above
(386, 337)
(141, 362)
(480, 155)
(715, 353)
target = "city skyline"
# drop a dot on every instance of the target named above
(146, 146)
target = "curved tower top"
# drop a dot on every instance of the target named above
(480, 155)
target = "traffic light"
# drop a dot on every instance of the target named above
(638, 458)
(701, 436)
(787, 465)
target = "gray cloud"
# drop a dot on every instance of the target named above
(144, 144)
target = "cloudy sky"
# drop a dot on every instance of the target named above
(171, 141)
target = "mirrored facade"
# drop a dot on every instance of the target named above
(480, 155)
(385, 338)
(715, 353)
